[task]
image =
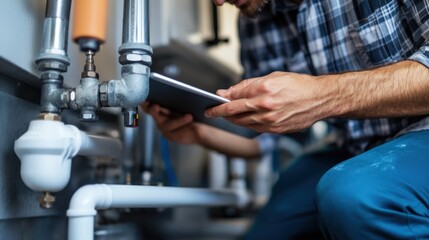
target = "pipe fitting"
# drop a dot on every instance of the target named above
(51, 92)
(49, 117)
(47, 148)
(86, 99)
(131, 58)
(87, 199)
(129, 69)
(45, 151)
(55, 35)
(128, 92)
(52, 59)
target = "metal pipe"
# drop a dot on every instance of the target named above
(130, 91)
(55, 33)
(147, 140)
(58, 9)
(53, 59)
(88, 198)
(136, 22)
(89, 96)
(135, 53)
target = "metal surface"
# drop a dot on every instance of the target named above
(52, 82)
(136, 22)
(47, 200)
(87, 99)
(131, 117)
(55, 32)
(147, 134)
(131, 90)
(53, 59)
(89, 69)
(58, 9)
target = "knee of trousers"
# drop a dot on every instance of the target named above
(347, 196)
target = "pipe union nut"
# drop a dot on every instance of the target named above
(135, 69)
(89, 74)
(135, 58)
(52, 65)
(51, 75)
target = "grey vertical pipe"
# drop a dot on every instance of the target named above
(55, 31)
(148, 142)
(58, 9)
(136, 22)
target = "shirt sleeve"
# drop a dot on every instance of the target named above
(417, 17)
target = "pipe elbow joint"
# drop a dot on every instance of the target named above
(137, 85)
(88, 198)
(131, 90)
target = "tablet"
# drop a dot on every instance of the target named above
(183, 98)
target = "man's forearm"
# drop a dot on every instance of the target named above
(229, 144)
(397, 90)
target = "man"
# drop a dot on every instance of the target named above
(363, 66)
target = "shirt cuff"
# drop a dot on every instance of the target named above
(267, 142)
(421, 56)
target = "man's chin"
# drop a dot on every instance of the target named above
(253, 9)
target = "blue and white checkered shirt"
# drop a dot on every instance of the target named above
(332, 36)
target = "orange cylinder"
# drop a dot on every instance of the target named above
(90, 19)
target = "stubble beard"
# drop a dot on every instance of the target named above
(252, 8)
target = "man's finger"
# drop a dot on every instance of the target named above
(230, 109)
(177, 123)
(242, 89)
(146, 106)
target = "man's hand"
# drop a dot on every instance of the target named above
(182, 129)
(277, 103)
(287, 102)
(178, 128)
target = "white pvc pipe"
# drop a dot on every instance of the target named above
(88, 198)
(47, 148)
(92, 145)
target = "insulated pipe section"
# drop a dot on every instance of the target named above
(88, 198)
(90, 21)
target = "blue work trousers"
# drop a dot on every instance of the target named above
(380, 194)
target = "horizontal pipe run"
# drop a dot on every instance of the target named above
(88, 198)
(92, 145)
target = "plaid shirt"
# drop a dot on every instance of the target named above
(332, 36)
